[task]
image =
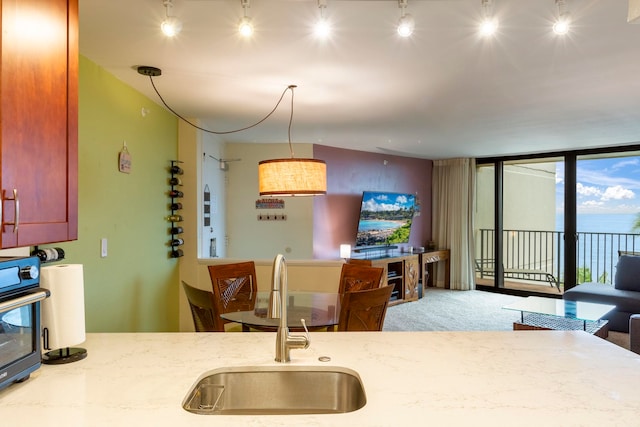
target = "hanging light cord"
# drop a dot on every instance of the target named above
(290, 87)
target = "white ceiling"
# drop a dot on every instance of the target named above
(443, 93)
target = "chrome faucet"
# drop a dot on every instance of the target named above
(278, 309)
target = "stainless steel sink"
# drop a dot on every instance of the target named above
(259, 390)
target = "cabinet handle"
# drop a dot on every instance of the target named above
(16, 218)
(16, 221)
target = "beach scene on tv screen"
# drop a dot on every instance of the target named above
(385, 218)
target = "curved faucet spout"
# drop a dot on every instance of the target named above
(278, 309)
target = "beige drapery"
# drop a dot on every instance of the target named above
(453, 205)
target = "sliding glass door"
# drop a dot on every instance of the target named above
(545, 223)
(529, 246)
(608, 207)
(484, 232)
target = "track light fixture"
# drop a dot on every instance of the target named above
(489, 24)
(171, 26)
(245, 26)
(561, 26)
(322, 28)
(406, 23)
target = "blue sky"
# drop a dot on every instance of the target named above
(381, 201)
(604, 186)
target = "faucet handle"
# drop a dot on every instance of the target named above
(306, 331)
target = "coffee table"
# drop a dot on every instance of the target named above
(557, 314)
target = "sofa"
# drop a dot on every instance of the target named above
(624, 293)
(634, 333)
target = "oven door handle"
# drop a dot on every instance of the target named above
(33, 296)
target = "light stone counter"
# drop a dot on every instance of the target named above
(524, 378)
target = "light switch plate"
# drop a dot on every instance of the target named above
(103, 247)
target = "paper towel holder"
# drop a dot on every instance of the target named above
(63, 325)
(61, 356)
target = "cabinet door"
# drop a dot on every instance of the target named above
(39, 121)
(411, 278)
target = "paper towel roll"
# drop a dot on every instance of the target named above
(63, 311)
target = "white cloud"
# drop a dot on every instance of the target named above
(623, 163)
(383, 203)
(617, 192)
(584, 190)
(602, 178)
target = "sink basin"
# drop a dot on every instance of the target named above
(260, 390)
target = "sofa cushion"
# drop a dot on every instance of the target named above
(625, 301)
(628, 273)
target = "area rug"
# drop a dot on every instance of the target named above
(450, 310)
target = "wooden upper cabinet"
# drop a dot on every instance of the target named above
(39, 122)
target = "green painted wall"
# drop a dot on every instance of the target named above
(135, 288)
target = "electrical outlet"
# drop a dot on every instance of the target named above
(103, 247)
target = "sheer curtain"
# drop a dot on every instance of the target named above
(453, 202)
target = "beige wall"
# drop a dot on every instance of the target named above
(246, 237)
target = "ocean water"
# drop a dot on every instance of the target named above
(601, 223)
(599, 252)
(368, 225)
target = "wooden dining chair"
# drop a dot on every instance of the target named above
(364, 310)
(359, 261)
(357, 277)
(202, 310)
(234, 289)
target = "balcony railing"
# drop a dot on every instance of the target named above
(538, 255)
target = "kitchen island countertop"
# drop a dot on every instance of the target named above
(519, 378)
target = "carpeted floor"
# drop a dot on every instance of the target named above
(448, 310)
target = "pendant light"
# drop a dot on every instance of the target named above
(292, 176)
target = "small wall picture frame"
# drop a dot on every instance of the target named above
(124, 159)
(270, 203)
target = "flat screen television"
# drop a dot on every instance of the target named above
(385, 218)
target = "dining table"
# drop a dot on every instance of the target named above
(320, 310)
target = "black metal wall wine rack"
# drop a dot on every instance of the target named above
(176, 195)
